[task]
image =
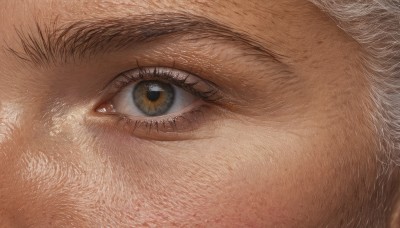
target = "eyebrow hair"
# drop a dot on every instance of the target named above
(47, 44)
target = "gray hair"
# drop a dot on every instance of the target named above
(375, 25)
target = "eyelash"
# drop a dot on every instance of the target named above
(169, 75)
(188, 120)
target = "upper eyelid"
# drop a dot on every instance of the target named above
(210, 93)
(156, 71)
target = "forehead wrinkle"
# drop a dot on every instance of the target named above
(116, 8)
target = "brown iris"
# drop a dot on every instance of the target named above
(153, 98)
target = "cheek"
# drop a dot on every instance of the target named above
(277, 178)
(265, 178)
(38, 189)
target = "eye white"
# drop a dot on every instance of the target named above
(124, 103)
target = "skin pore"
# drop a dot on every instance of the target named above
(287, 141)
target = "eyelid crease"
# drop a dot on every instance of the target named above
(49, 44)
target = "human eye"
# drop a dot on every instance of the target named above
(155, 100)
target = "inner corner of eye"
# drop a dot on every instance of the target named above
(105, 108)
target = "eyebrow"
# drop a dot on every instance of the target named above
(46, 44)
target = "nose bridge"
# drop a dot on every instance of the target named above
(10, 117)
(10, 146)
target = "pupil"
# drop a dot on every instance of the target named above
(153, 95)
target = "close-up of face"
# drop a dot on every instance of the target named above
(199, 113)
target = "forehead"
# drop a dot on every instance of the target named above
(111, 7)
(240, 13)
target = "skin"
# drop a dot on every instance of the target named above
(293, 147)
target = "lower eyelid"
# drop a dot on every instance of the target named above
(175, 127)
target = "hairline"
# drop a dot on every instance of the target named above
(375, 25)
